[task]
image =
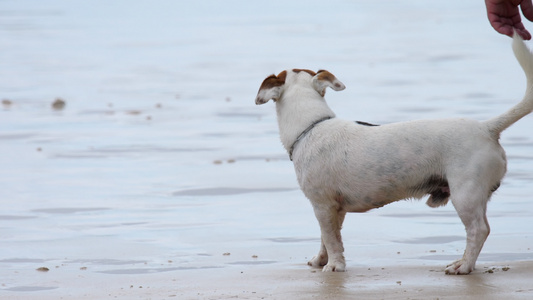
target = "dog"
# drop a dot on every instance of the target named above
(344, 166)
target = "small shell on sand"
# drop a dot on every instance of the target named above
(58, 104)
(7, 102)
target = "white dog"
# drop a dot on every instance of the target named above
(343, 166)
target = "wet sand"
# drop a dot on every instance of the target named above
(407, 282)
(254, 252)
(157, 177)
(510, 280)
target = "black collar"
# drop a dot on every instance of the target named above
(304, 133)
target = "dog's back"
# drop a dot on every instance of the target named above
(373, 166)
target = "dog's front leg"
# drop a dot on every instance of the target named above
(321, 259)
(331, 249)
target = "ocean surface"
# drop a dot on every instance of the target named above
(160, 161)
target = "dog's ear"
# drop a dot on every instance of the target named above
(271, 88)
(324, 79)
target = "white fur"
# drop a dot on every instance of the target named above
(346, 167)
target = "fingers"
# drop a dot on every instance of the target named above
(523, 33)
(509, 30)
(504, 17)
(527, 10)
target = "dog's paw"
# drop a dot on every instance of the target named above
(334, 267)
(318, 261)
(459, 267)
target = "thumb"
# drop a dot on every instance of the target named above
(527, 9)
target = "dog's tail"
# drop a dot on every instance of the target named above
(525, 58)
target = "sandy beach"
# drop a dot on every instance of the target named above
(136, 165)
(511, 281)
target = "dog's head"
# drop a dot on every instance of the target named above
(273, 86)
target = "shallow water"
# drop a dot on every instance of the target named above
(161, 162)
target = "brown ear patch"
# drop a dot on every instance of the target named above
(282, 76)
(273, 81)
(327, 76)
(304, 70)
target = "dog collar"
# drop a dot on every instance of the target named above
(304, 133)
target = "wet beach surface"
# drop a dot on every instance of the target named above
(158, 177)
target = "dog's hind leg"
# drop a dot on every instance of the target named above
(331, 250)
(472, 211)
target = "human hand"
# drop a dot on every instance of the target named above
(505, 18)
